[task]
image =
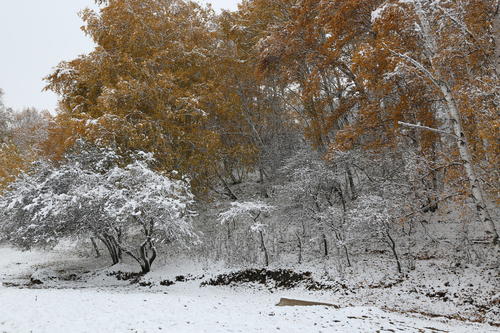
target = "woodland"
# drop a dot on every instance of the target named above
(338, 134)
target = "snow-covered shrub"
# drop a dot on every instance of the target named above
(35, 208)
(95, 193)
(155, 205)
(311, 195)
(249, 213)
(375, 216)
(352, 201)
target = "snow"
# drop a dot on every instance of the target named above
(96, 311)
(377, 13)
(242, 209)
(184, 307)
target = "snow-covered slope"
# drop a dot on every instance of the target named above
(183, 307)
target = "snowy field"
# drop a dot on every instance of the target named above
(103, 304)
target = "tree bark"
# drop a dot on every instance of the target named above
(347, 256)
(351, 184)
(147, 260)
(111, 248)
(264, 249)
(393, 249)
(325, 245)
(143, 257)
(96, 249)
(474, 183)
(299, 243)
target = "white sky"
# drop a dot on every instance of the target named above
(35, 35)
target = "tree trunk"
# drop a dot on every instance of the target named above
(263, 248)
(146, 256)
(463, 147)
(96, 249)
(325, 245)
(147, 260)
(111, 248)
(392, 245)
(299, 243)
(263, 189)
(347, 256)
(351, 184)
(118, 241)
(228, 192)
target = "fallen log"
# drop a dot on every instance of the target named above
(297, 302)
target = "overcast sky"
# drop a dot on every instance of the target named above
(35, 35)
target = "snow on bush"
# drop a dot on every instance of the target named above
(96, 193)
(249, 211)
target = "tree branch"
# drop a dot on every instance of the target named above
(418, 126)
(417, 65)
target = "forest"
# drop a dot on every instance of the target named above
(346, 137)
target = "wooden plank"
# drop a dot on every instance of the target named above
(297, 302)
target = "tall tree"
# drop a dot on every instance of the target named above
(141, 87)
(452, 55)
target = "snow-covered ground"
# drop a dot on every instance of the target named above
(100, 303)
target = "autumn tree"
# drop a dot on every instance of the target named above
(396, 100)
(21, 137)
(250, 114)
(142, 86)
(311, 52)
(3, 119)
(10, 159)
(362, 69)
(449, 55)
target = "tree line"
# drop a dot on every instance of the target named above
(312, 122)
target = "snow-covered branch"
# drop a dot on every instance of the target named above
(418, 66)
(418, 126)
